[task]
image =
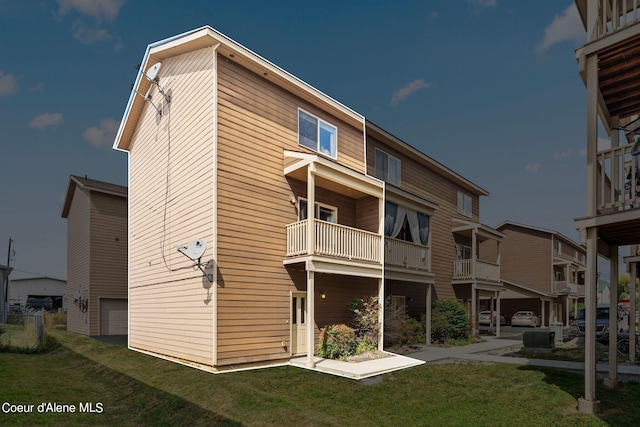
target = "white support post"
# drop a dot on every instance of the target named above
(311, 319)
(566, 311)
(428, 314)
(381, 313)
(633, 272)
(311, 211)
(592, 134)
(543, 315)
(474, 320)
(497, 295)
(588, 404)
(612, 381)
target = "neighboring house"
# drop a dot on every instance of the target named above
(96, 213)
(277, 193)
(608, 65)
(38, 287)
(4, 303)
(604, 293)
(542, 271)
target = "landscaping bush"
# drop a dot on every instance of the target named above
(449, 321)
(401, 329)
(337, 342)
(366, 319)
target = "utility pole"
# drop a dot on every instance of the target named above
(6, 297)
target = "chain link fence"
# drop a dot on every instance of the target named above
(23, 331)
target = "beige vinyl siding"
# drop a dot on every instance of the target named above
(526, 257)
(171, 199)
(108, 252)
(434, 187)
(78, 255)
(257, 121)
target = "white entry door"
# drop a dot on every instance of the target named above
(298, 323)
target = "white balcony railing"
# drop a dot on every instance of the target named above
(399, 253)
(334, 240)
(565, 287)
(615, 15)
(617, 186)
(469, 269)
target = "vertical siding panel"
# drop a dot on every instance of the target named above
(171, 202)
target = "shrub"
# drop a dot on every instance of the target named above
(449, 321)
(337, 342)
(365, 347)
(366, 319)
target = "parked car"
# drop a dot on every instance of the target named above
(485, 318)
(524, 318)
(602, 322)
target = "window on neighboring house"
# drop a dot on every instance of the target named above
(387, 167)
(558, 247)
(323, 212)
(465, 204)
(317, 134)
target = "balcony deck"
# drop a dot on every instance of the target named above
(563, 287)
(469, 269)
(334, 241)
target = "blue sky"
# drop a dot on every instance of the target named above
(490, 88)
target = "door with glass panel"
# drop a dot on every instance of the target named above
(298, 323)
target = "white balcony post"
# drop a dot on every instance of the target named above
(311, 363)
(588, 403)
(592, 131)
(474, 253)
(311, 211)
(428, 316)
(612, 381)
(632, 307)
(592, 19)
(497, 296)
(381, 313)
(543, 314)
(381, 206)
(473, 309)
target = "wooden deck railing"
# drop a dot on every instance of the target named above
(334, 240)
(467, 269)
(562, 286)
(615, 15)
(617, 179)
(400, 253)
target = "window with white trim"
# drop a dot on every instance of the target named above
(387, 167)
(323, 212)
(465, 204)
(317, 134)
(558, 247)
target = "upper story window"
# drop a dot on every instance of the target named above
(558, 247)
(323, 212)
(317, 134)
(465, 204)
(406, 224)
(387, 167)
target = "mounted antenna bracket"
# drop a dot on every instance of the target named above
(152, 76)
(194, 251)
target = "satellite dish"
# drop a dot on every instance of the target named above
(152, 73)
(194, 249)
(76, 295)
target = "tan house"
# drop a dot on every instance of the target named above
(608, 65)
(542, 271)
(256, 212)
(96, 214)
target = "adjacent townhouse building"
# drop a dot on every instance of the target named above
(96, 213)
(542, 271)
(259, 207)
(608, 65)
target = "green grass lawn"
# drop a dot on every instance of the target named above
(136, 389)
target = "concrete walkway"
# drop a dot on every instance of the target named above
(478, 352)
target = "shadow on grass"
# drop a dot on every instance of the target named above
(619, 405)
(66, 377)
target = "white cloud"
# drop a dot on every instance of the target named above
(563, 155)
(435, 14)
(45, 120)
(532, 167)
(8, 84)
(39, 88)
(566, 26)
(99, 9)
(408, 90)
(103, 135)
(484, 3)
(87, 35)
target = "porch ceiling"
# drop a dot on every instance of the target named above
(619, 67)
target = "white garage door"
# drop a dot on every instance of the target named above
(113, 316)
